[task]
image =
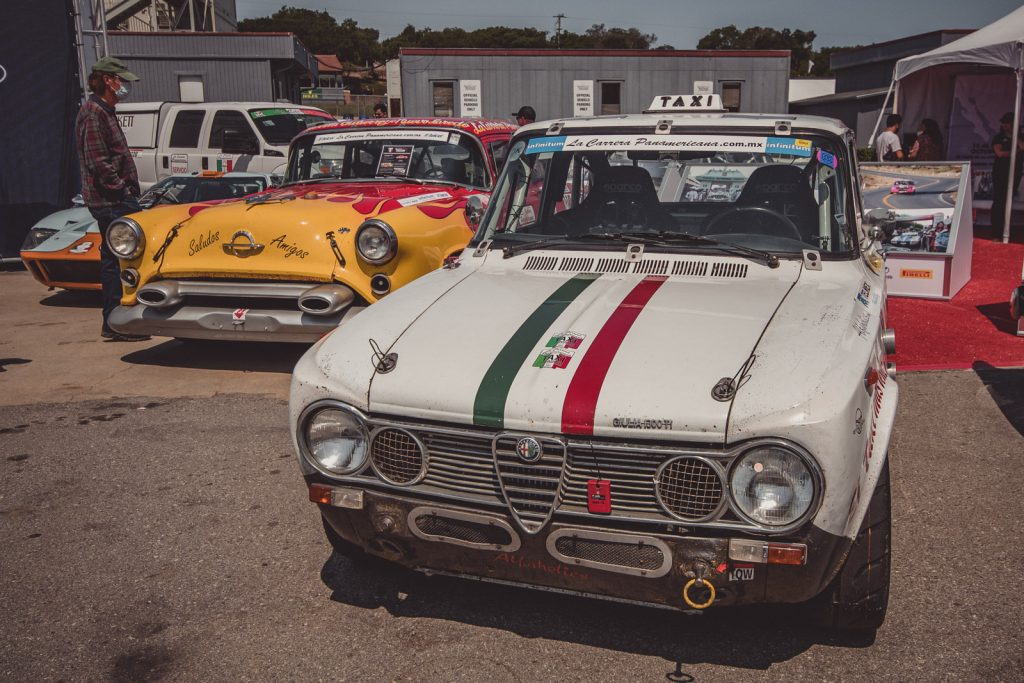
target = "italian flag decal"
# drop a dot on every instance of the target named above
(580, 402)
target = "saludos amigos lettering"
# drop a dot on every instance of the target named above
(289, 249)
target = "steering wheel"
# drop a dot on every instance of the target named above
(779, 219)
(434, 172)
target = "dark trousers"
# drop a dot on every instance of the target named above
(999, 178)
(110, 269)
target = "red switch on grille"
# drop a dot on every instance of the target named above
(599, 496)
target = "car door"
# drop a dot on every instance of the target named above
(214, 156)
(182, 152)
(497, 151)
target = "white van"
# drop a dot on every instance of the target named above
(168, 138)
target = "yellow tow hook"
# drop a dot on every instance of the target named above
(700, 582)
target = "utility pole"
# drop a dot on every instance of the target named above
(558, 30)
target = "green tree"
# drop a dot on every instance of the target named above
(322, 34)
(799, 43)
(597, 37)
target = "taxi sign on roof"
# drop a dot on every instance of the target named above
(686, 103)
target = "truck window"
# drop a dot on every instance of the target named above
(225, 119)
(187, 125)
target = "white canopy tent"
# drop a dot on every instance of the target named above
(925, 84)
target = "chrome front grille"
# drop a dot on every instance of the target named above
(631, 475)
(531, 489)
(475, 464)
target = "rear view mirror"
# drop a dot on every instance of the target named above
(238, 142)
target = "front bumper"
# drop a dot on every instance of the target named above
(230, 311)
(66, 273)
(588, 559)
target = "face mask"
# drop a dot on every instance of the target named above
(122, 92)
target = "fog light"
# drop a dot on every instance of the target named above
(380, 284)
(130, 277)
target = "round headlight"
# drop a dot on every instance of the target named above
(376, 242)
(124, 238)
(336, 440)
(772, 486)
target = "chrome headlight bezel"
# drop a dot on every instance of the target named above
(389, 234)
(134, 231)
(306, 450)
(804, 458)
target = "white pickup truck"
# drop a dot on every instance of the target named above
(168, 138)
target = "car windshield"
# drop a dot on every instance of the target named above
(279, 126)
(430, 155)
(775, 194)
(188, 189)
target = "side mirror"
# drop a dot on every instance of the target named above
(876, 233)
(239, 142)
(879, 216)
(476, 205)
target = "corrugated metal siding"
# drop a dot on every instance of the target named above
(240, 80)
(545, 82)
(202, 45)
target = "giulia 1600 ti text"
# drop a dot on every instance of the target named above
(624, 389)
(366, 207)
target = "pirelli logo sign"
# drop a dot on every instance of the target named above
(916, 273)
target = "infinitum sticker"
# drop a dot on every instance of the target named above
(793, 146)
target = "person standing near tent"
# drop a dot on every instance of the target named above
(928, 146)
(887, 146)
(1002, 145)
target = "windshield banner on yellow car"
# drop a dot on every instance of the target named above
(671, 143)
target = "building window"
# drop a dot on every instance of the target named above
(444, 98)
(611, 97)
(731, 96)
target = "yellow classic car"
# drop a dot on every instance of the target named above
(366, 207)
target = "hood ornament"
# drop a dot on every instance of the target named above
(242, 245)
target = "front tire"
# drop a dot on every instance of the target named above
(857, 599)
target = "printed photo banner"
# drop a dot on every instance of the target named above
(672, 143)
(385, 135)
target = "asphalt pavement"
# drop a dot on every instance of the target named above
(154, 527)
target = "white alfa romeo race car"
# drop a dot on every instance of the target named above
(629, 391)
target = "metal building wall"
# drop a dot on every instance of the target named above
(545, 81)
(242, 80)
(233, 66)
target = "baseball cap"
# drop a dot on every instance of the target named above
(1007, 117)
(113, 65)
(526, 112)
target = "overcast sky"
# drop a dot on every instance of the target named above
(680, 23)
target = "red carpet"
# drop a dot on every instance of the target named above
(974, 326)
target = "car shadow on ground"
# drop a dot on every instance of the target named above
(999, 314)
(220, 355)
(74, 298)
(1007, 389)
(749, 637)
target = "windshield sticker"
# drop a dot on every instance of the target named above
(395, 160)
(670, 143)
(367, 135)
(527, 216)
(454, 138)
(793, 146)
(421, 198)
(538, 145)
(827, 159)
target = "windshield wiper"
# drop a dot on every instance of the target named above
(649, 238)
(664, 237)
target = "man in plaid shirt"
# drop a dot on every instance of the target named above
(110, 181)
